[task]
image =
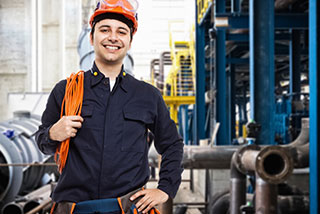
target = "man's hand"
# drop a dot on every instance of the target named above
(151, 198)
(65, 127)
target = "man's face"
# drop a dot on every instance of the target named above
(111, 41)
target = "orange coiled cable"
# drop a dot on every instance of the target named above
(71, 105)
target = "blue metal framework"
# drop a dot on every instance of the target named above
(314, 59)
(262, 99)
(279, 45)
(199, 122)
(224, 135)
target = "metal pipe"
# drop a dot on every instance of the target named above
(272, 163)
(293, 204)
(19, 147)
(237, 187)
(303, 137)
(299, 148)
(40, 207)
(201, 157)
(16, 208)
(221, 205)
(30, 201)
(283, 4)
(165, 59)
(266, 197)
(36, 198)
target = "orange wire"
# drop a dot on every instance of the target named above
(71, 105)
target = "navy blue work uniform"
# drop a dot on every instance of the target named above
(108, 157)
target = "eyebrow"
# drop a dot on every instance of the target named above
(123, 28)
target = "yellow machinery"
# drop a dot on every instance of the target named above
(180, 82)
(202, 6)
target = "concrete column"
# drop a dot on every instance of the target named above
(14, 45)
(61, 26)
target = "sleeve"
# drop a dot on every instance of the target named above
(169, 144)
(49, 117)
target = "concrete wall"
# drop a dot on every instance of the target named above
(38, 43)
(14, 48)
(61, 26)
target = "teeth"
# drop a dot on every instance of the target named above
(112, 47)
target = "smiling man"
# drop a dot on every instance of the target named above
(106, 162)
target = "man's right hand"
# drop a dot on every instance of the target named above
(65, 128)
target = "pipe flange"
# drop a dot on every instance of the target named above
(274, 164)
(238, 156)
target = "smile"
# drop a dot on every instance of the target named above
(111, 47)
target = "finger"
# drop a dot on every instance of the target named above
(76, 124)
(150, 206)
(144, 205)
(137, 194)
(141, 201)
(72, 132)
(75, 118)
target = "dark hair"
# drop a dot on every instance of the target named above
(115, 16)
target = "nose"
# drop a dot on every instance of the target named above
(113, 36)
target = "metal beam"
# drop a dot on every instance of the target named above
(239, 61)
(232, 92)
(282, 21)
(200, 83)
(295, 72)
(179, 100)
(221, 82)
(262, 100)
(314, 69)
(236, 6)
(243, 37)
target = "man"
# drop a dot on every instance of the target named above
(108, 151)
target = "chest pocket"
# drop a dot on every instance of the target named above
(86, 113)
(135, 129)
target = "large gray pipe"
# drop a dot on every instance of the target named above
(299, 148)
(219, 157)
(29, 201)
(165, 59)
(18, 147)
(201, 157)
(271, 164)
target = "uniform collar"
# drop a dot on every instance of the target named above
(97, 76)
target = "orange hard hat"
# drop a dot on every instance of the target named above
(127, 8)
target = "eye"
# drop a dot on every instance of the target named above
(123, 32)
(104, 30)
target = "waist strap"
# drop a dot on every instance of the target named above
(101, 205)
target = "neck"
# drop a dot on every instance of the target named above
(109, 70)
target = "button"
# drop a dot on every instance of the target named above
(105, 82)
(95, 73)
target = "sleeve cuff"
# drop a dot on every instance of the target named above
(47, 138)
(167, 190)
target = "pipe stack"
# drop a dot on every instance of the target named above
(18, 146)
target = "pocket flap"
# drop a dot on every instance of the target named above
(138, 115)
(87, 111)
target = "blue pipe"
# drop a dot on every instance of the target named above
(314, 160)
(200, 83)
(262, 97)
